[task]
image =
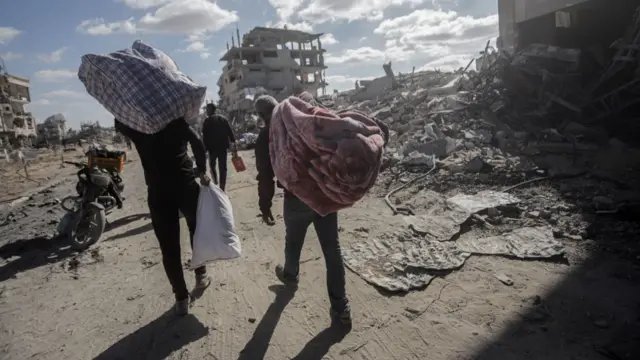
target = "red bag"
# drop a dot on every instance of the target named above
(238, 163)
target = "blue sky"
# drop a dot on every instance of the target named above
(44, 40)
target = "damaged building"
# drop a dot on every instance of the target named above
(17, 127)
(588, 50)
(585, 24)
(53, 129)
(277, 62)
(370, 89)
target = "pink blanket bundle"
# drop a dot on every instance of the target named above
(329, 161)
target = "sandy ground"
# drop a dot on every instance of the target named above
(114, 301)
(41, 171)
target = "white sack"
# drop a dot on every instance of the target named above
(215, 237)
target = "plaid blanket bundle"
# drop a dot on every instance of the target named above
(142, 87)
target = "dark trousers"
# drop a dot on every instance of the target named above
(163, 207)
(297, 218)
(219, 156)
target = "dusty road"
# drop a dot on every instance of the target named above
(114, 301)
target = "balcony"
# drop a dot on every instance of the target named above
(20, 99)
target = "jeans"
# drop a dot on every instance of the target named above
(163, 208)
(297, 218)
(221, 157)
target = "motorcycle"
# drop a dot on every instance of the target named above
(85, 220)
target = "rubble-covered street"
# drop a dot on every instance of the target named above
(529, 272)
(503, 224)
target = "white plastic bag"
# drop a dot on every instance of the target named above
(215, 237)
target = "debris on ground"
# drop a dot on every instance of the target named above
(532, 149)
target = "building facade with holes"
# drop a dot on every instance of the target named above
(17, 127)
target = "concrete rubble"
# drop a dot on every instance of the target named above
(541, 123)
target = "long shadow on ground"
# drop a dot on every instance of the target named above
(319, 346)
(132, 232)
(257, 347)
(594, 313)
(315, 349)
(126, 220)
(158, 339)
(27, 254)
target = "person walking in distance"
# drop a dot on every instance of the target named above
(297, 218)
(172, 188)
(218, 138)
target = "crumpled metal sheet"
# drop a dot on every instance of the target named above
(408, 259)
(401, 261)
(524, 243)
(483, 200)
(371, 261)
(404, 262)
(395, 281)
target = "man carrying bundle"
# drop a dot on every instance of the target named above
(297, 218)
(172, 188)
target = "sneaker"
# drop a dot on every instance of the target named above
(202, 281)
(343, 317)
(286, 279)
(182, 307)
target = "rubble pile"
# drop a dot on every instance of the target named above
(544, 98)
(544, 124)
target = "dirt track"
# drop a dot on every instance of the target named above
(114, 301)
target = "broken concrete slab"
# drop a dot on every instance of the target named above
(416, 158)
(437, 227)
(523, 243)
(483, 200)
(440, 148)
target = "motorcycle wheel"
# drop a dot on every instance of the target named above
(88, 229)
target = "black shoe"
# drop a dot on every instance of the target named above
(286, 279)
(181, 308)
(203, 280)
(344, 317)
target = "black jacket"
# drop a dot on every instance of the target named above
(217, 134)
(266, 182)
(164, 155)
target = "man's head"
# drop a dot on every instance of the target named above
(211, 109)
(264, 106)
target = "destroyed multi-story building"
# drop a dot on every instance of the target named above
(277, 62)
(17, 127)
(53, 130)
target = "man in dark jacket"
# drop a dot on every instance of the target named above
(297, 218)
(172, 188)
(218, 138)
